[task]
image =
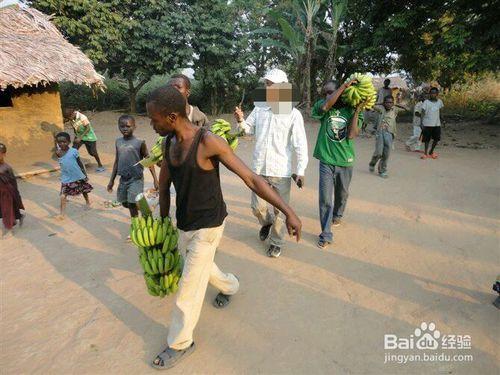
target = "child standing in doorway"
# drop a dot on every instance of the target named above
(129, 151)
(74, 179)
(10, 199)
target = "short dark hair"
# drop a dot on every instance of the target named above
(3, 148)
(126, 118)
(387, 80)
(186, 80)
(434, 89)
(65, 135)
(167, 99)
(388, 97)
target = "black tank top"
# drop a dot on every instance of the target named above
(199, 198)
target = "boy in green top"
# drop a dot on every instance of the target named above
(386, 131)
(334, 149)
(84, 134)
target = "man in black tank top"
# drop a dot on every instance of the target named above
(191, 163)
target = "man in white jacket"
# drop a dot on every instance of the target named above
(279, 132)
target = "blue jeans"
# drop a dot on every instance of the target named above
(383, 145)
(333, 192)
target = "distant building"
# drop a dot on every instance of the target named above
(34, 58)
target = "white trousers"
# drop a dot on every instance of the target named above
(414, 141)
(198, 248)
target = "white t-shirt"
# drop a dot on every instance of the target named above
(431, 114)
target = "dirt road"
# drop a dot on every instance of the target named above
(421, 246)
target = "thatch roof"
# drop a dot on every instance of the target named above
(33, 51)
(396, 81)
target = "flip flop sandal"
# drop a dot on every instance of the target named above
(170, 357)
(222, 300)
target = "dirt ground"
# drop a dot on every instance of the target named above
(421, 246)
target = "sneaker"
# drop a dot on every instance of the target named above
(100, 169)
(383, 174)
(274, 251)
(371, 168)
(322, 244)
(264, 232)
(336, 222)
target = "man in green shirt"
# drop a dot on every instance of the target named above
(334, 149)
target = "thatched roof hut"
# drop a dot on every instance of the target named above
(34, 52)
(34, 58)
(396, 81)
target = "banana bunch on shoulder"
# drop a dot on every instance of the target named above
(155, 154)
(361, 91)
(222, 128)
(159, 257)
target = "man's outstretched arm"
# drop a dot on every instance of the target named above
(217, 147)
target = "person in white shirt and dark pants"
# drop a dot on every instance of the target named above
(279, 133)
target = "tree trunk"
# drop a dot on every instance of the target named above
(331, 62)
(332, 56)
(306, 97)
(132, 92)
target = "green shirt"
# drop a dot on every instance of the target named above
(332, 146)
(80, 123)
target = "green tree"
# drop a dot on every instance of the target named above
(128, 39)
(439, 40)
(219, 45)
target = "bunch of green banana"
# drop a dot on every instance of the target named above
(159, 257)
(222, 128)
(147, 232)
(162, 272)
(155, 155)
(360, 91)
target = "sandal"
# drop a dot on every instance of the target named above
(170, 357)
(434, 155)
(222, 300)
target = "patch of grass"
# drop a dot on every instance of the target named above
(477, 97)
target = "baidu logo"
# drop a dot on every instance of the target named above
(427, 337)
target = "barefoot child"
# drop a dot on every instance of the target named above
(10, 199)
(386, 131)
(129, 151)
(73, 175)
(431, 121)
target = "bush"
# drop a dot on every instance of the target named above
(477, 97)
(85, 99)
(142, 95)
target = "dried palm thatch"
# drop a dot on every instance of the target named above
(34, 52)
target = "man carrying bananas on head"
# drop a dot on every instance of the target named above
(279, 132)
